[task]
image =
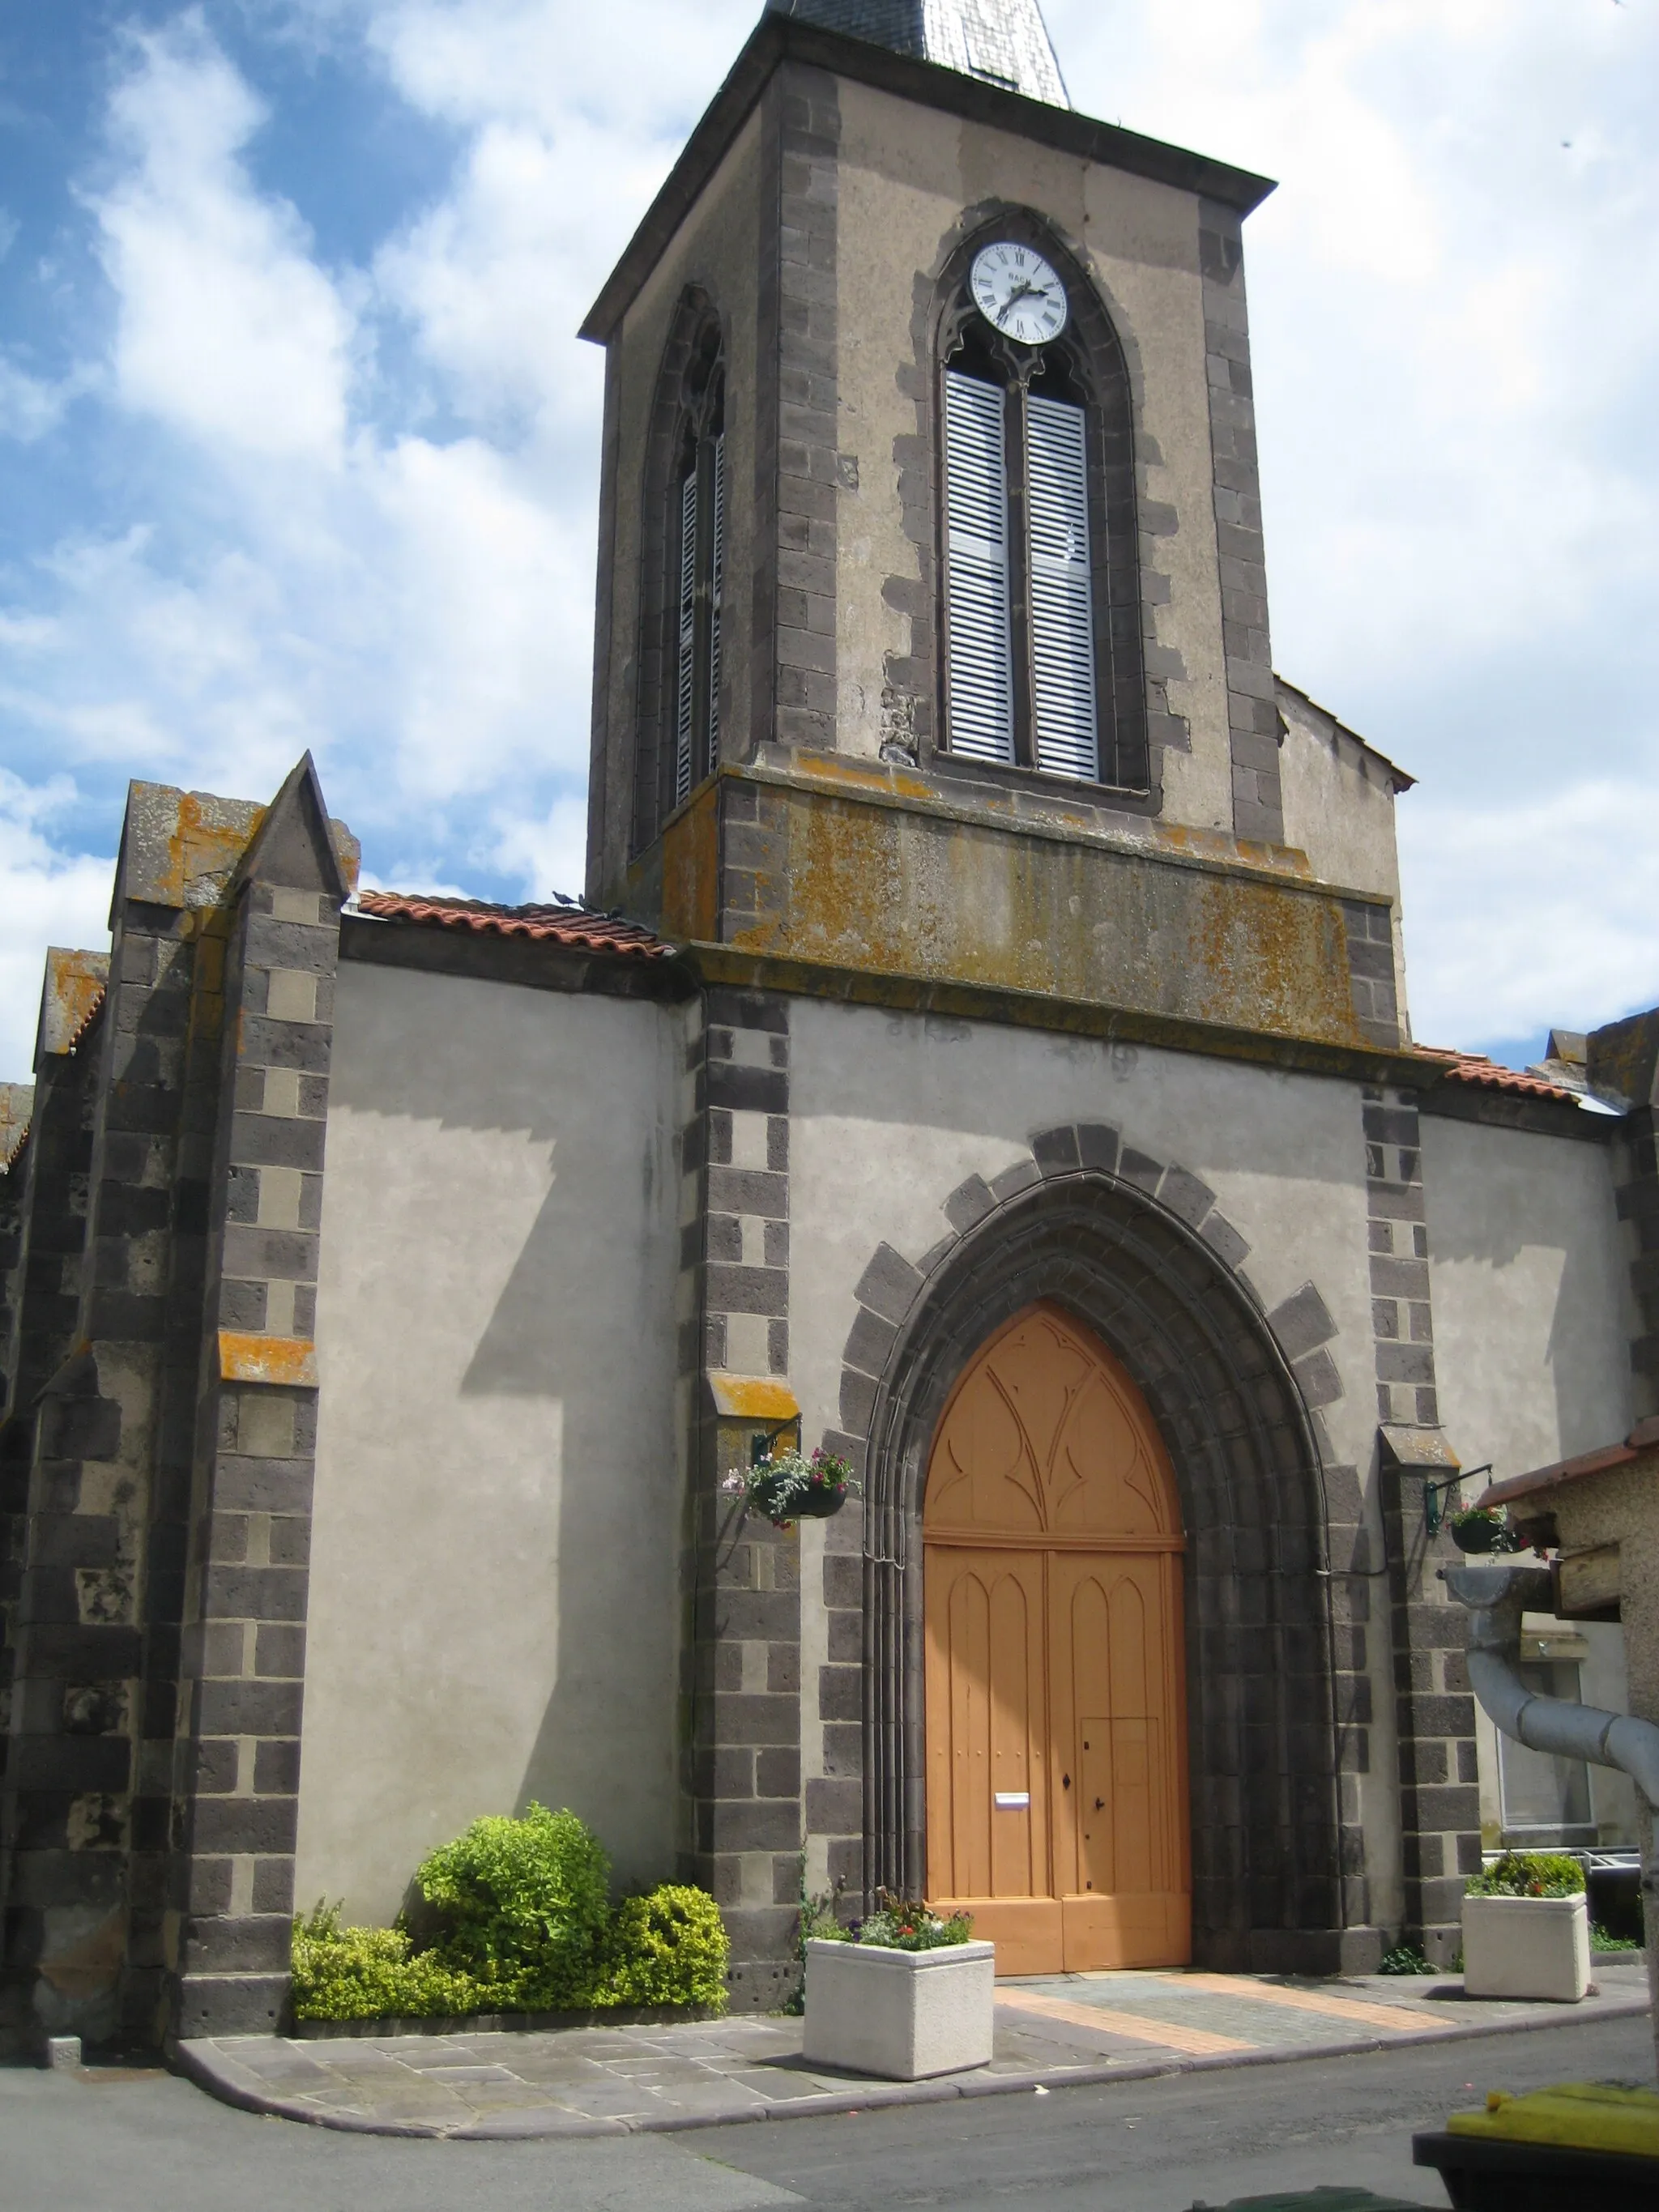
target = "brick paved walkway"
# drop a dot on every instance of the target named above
(1050, 2034)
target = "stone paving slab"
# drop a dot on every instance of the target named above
(1052, 2032)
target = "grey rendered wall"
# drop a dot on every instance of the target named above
(494, 1603)
(1532, 1323)
(1339, 809)
(894, 1111)
(1339, 803)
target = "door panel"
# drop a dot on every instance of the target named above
(1030, 1933)
(1120, 1832)
(1055, 1703)
(986, 1725)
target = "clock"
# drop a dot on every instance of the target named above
(1018, 293)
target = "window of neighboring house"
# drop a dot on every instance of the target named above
(700, 503)
(1041, 659)
(1545, 1798)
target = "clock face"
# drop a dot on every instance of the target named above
(1017, 291)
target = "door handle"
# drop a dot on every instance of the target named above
(1100, 1804)
(1065, 1781)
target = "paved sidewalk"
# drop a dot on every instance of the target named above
(1050, 2033)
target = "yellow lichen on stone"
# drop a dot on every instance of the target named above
(910, 891)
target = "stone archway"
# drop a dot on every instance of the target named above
(1136, 1251)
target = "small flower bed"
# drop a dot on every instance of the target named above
(792, 1485)
(1528, 1873)
(515, 1916)
(898, 1924)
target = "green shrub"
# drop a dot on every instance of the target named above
(374, 1973)
(1528, 1873)
(523, 1903)
(1601, 1939)
(667, 1948)
(517, 1920)
(1405, 1959)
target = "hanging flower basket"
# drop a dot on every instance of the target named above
(791, 1487)
(1480, 1528)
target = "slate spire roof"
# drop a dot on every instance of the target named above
(1001, 41)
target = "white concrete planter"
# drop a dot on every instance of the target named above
(1526, 1947)
(901, 2015)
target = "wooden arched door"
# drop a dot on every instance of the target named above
(1055, 1689)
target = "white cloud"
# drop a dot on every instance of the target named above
(46, 897)
(30, 405)
(418, 612)
(227, 330)
(1527, 919)
(638, 68)
(498, 275)
(496, 685)
(551, 854)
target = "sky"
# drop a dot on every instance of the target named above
(298, 447)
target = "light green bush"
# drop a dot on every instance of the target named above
(525, 1902)
(374, 1973)
(520, 1922)
(669, 1948)
(1528, 1873)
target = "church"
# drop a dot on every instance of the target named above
(981, 1051)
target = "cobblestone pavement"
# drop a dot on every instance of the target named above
(1050, 2033)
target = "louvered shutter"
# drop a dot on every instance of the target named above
(980, 650)
(1063, 618)
(716, 584)
(685, 700)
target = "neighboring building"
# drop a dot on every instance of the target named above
(984, 1042)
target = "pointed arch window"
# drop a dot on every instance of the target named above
(677, 706)
(1042, 618)
(700, 568)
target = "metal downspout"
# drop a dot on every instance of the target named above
(1497, 1596)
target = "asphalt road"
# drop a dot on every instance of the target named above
(134, 2141)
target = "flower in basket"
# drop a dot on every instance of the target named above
(792, 1485)
(1480, 1528)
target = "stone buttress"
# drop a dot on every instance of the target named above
(157, 1635)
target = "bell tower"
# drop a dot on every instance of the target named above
(932, 637)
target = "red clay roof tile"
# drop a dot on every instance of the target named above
(1484, 1074)
(571, 926)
